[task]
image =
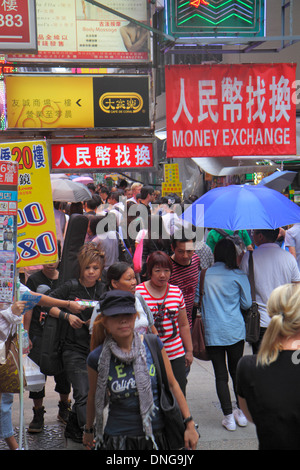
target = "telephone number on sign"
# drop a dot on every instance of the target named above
(11, 20)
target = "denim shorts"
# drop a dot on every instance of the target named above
(6, 427)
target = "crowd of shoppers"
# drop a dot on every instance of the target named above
(106, 356)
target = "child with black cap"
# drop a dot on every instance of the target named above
(122, 365)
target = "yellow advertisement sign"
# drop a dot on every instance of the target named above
(49, 102)
(172, 183)
(36, 237)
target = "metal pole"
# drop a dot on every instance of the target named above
(21, 377)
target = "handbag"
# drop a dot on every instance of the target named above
(138, 254)
(124, 253)
(252, 315)
(10, 370)
(198, 339)
(173, 419)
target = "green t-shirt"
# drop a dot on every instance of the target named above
(214, 237)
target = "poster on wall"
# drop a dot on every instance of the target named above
(230, 110)
(36, 242)
(8, 229)
(73, 30)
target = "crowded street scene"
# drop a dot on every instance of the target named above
(150, 228)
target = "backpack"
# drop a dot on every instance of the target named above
(235, 238)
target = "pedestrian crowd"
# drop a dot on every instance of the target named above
(139, 272)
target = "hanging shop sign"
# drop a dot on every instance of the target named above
(8, 229)
(18, 26)
(217, 18)
(121, 156)
(36, 242)
(75, 31)
(230, 110)
(77, 102)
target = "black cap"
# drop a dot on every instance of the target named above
(117, 302)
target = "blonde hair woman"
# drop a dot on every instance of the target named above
(268, 384)
(76, 345)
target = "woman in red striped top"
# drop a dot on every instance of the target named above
(168, 308)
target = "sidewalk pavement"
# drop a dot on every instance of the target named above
(202, 400)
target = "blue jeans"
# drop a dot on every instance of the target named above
(6, 427)
(75, 368)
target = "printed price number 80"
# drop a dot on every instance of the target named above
(11, 21)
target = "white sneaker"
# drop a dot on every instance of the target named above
(240, 417)
(229, 423)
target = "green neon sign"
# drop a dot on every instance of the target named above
(215, 18)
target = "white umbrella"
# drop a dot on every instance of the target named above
(69, 191)
(278, 180)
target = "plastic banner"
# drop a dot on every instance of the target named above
(36, 242)
(230, 110)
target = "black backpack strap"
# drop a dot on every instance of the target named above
(221, 232)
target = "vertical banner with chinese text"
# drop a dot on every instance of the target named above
(36, 243)
(230, 110)
(8, 230)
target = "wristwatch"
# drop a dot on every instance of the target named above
(88, 430)
(187, 420)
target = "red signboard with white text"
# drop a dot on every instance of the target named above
(122, 156)
(230, 110)
(18, 26)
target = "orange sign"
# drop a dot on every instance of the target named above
(196, 3)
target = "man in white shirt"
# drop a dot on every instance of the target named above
(273, 267)
(135, 189)
(292, 241)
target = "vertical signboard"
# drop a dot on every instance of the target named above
(18, 26)
(8, 229)
(36, 223)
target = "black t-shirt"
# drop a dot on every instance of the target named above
(79, 339)
(273, 398)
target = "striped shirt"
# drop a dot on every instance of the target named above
(166, 321)
(186, 278)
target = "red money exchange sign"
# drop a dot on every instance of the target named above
(230, 110)
(87, 156)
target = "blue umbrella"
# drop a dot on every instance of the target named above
(279, 180)
(242, 207)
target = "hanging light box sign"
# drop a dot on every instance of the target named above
(215, 18)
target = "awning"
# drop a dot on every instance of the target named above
(224, 166)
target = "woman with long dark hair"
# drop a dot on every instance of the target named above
(226, 292)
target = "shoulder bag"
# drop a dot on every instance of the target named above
(198, 339)
(252, 316)
(124, 253)
(138, 255)
(10, 370)
(173, 419)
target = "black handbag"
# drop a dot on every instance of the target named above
(124, 254)
(198, 337)
(252, 315)
(173, 419)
